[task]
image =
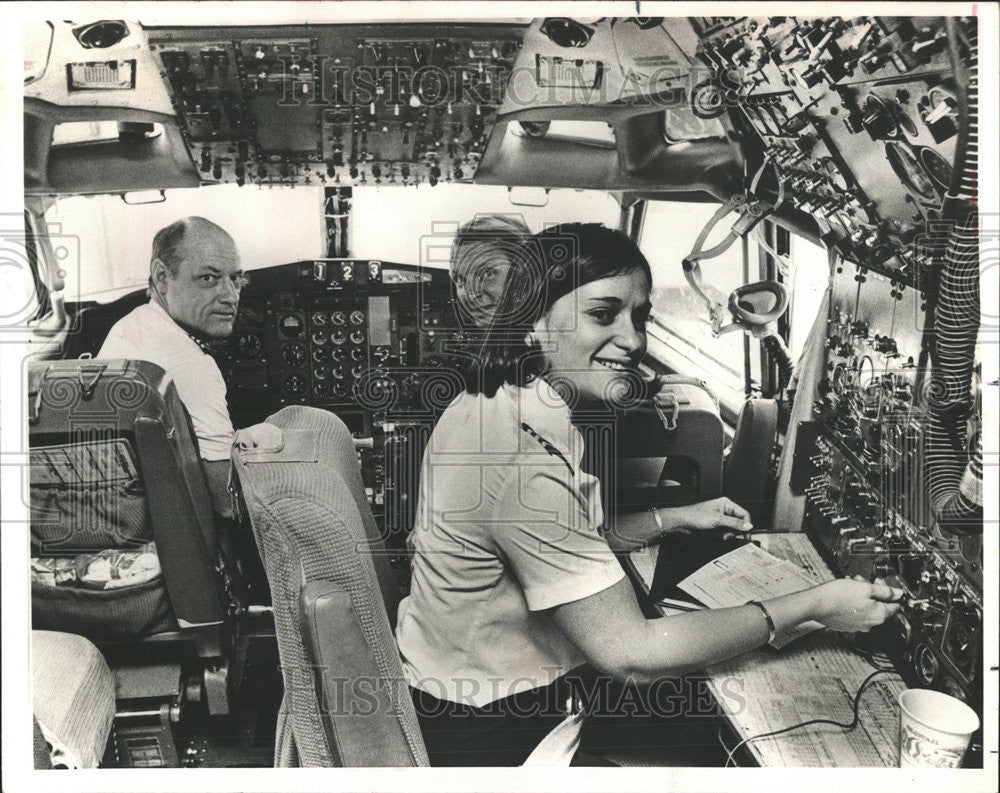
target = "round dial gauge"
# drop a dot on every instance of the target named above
(937, 167)
(865, 380)
(291, 326)
(249, 345)
(925, 664)
(293, 355)
(960, 643)
(295, 385)
(909, 171)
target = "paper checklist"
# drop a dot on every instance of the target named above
(750, 573)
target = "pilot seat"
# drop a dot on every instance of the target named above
(125, 550)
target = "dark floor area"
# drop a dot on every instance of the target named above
(245, 738)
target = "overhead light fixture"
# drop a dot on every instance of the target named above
(566, 32)
(101, 35)
(534, 129)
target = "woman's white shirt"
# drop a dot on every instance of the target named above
(507, 526)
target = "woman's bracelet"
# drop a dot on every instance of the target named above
(771, 631)
(659, 521)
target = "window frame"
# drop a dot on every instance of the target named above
(768, 251)
(669, 350)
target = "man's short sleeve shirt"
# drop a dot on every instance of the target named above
(149, 334)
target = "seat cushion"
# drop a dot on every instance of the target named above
(73, 697)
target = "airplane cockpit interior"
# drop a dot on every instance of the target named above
(815, 206)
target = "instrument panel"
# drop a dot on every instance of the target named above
(868, 126)
(375, 342)
(853, 121)
(344, 333)
(337, 105)
(861, 462)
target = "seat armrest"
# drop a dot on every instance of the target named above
(187, 561)
(363, 712)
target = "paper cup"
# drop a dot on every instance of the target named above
(934, 729)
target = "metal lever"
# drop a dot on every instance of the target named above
(667, 400)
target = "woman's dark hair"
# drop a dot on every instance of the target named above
(562, 258)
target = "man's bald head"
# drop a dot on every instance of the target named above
(186, 237)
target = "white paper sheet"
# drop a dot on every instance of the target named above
(750, 573)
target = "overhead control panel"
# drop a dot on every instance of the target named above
(855, 122)
(337, 105)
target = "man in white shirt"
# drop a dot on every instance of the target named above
(195, 278)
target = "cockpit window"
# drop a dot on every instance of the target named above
(273, 226)
(416, 225)
(681, 333)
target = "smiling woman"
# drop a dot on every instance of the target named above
(514, 581)
(596, 333)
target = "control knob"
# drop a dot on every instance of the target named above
(885, 344)
(877, 121)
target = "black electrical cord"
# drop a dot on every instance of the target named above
(844, 726)
(879, 661)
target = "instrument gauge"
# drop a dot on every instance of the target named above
(925, 664)
(905, 122)
(909, 171)
(338, 319)
(295, 385)
(249, 345)
(937, 167)
(867, 385)
(960, 643)
(293, 355)
(357, 317)
(291, 326)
